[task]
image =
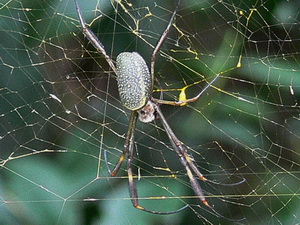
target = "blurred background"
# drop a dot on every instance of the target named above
(60, 110)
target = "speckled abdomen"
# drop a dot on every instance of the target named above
(134, 80)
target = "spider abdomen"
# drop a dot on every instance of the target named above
(134, 80)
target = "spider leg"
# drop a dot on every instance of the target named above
(93, 38)
(180, 103)
(162, 39)
(132, 183)
(129, 135)
(185, 159)
(129, 149)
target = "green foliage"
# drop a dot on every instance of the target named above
(59, 109)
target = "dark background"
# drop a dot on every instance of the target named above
(59, 109)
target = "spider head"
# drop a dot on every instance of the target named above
(148, 113)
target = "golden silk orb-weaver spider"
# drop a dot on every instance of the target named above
(135, 85)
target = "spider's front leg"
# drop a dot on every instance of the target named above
(129, 150)
(131, 181)
(184, 158)
(127, 146)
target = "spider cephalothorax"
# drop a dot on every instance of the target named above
(148, 113)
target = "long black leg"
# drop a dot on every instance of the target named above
(180, 103)
(129, 135)
(161, 40)
(93, 38)
(185, 159)
(129, 150)
(132, 183)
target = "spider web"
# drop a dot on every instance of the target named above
(59, 111)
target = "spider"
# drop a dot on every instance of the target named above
(135, 85)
